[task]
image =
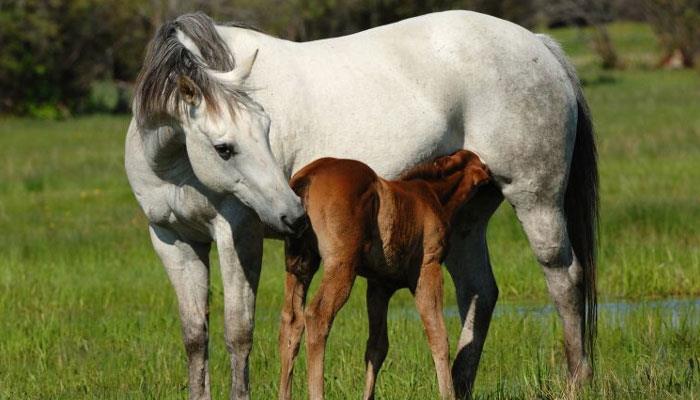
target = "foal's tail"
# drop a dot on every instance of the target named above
(581, 201)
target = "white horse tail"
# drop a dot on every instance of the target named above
(581, 200)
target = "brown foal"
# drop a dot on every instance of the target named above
(394, 233)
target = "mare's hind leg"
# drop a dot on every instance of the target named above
(545, 226)
(470, 268)
(378, 297)
(187, 265)
(338, 278)
(302, 262)
(428, 294)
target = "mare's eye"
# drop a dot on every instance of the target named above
(225, 151)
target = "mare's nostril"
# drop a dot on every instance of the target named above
(286, 221)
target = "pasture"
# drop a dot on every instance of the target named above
(86, 310)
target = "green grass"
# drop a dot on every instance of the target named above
(86, 310)
(635, 43)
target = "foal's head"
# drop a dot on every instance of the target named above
(454, 178)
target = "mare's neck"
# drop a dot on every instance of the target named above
(275, 85)
(243, 42)
(166, 154)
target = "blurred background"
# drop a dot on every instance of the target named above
(87, 311)
(61, 58)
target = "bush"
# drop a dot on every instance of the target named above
(104, 97)
(53, 51)
(47, 111)
(677, 26)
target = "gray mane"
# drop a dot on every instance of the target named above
(156, 97)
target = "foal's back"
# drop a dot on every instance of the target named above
(340, 199)
(391, 225)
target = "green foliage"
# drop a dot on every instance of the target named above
(54, 50)
(677, 25)
(50, 111)
(104, 96)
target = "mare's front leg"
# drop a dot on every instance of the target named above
(428, 296)
(187, 265)
(302, 262)
(239, 241)
(470, 267)
(378, 297)
(338, 277)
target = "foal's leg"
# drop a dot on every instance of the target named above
(428, 296)
(291, 330)
(187, 265)
(239, 247)
(302, 262)
(378, 298)
(338, 278)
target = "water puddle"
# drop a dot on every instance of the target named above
(676, 311)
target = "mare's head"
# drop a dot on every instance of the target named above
(454, 178)
(190, 80)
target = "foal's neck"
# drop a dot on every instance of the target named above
(446, 190)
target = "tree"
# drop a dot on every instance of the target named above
(594, 13)
(677, 26)
(54, 50)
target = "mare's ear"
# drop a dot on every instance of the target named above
(237, 75)
(189, 91)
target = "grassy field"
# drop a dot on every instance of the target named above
(86, 310)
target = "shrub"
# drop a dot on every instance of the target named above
(677, 26)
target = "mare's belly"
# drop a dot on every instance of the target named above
(390, 146)
(386, 117)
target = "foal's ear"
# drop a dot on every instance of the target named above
(478, 171)
(481, 176)
(189, 91)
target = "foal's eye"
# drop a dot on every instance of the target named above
(225, 151)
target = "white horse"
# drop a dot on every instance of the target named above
(213, 142)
